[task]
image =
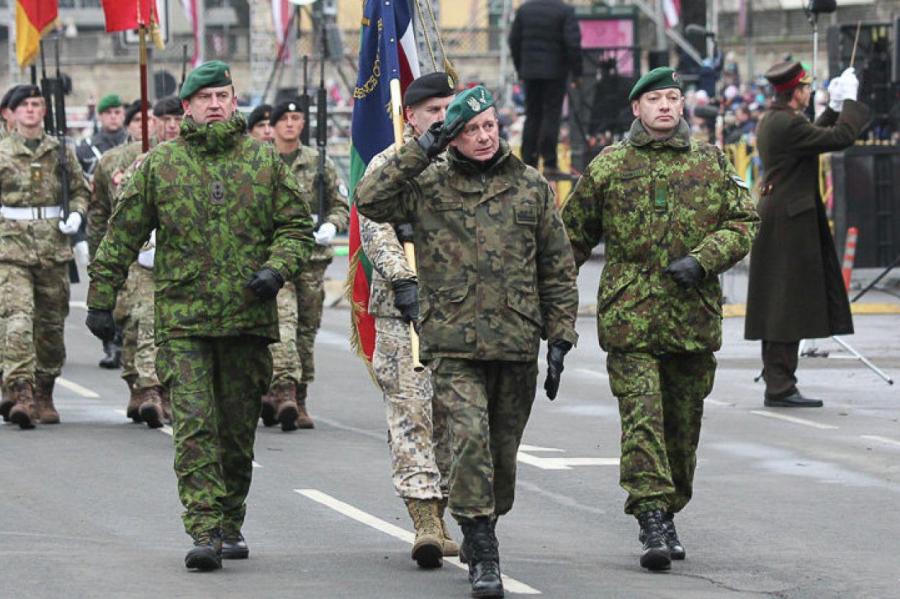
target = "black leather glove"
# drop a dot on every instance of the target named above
(437, 138)
(686, 271)
(405, 232)
(556, 353)
(406, 299)
(265, 283)
(101, 324)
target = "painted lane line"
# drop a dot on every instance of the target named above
(884, 440)
(511, 584)
(77, 304)
(794, 419)
(563, 463)
(76, 388)
(524, 447)
(167, 430)
(716, 402)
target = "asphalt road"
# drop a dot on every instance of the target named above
(787, 504)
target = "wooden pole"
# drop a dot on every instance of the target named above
(409, 250)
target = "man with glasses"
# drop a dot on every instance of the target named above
(674, 214)
(496, 275)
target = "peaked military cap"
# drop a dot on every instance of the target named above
(21, 93)
(214, 73)
(282, 108)
(261, 113)
(170, 105)
(785, 76)
(108, 101)
(658, 78)
(432, 85)
(468, 105)
(5, 102)
(131, 111)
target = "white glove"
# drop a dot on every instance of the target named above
(71, 225)
(836, 94)
(850, 84)
(80, 250)
(146, 257)
(325, 234)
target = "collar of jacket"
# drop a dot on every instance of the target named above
(214, 137)
(48, 142)
(113, 138)
(469, 167)
(679, 140)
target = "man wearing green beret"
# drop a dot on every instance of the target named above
(496, 275)
(674, 215)
(112, 133)
(232, 224)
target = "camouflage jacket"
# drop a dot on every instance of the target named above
(223, 206)
(304, 168)
(107, 178)
(496, 271)
(654, 201)
(384, 250)
(32, 179)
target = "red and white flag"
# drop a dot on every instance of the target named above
(190, 11)
(671, 12)
(281, 20)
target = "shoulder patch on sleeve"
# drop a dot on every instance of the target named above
(739, 182)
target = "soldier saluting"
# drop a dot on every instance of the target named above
(674, 215)
(231, 226)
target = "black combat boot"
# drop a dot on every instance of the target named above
(234, 546)
(483, 556)
(676, 549)
(656, 554)
(112, 351)
(206, 554)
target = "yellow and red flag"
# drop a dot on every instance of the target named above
(34, 18)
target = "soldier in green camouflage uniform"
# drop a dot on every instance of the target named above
(674, 215)
(496, 274)
(232, 225)
(289, 395)
(34, 251)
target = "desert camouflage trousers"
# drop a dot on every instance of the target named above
(487, 405)
(660, 407)
(286, 365)
(34, 302)
(417, 426)
(215, 385)
(310, 287)
(142, 314)
(122, 315)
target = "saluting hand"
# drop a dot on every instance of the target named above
(437, 138)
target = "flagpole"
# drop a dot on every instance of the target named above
(145, 131)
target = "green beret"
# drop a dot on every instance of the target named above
(658, 78)
(214, 73)
(108, 101)
(467, 105)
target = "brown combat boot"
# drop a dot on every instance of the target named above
(303, 418)
(22, 412)
(268, 410)
(451, 547)
(43, 399)
(151, 406)
(428, 547)
(133, 410)
(166, 405)
(285, 397)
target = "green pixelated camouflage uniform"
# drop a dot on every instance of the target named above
(34, 282)
(654, 202)
(417, 427)
(309, 285)
(496, 274)
(223, 206)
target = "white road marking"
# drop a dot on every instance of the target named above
(524, 447)
(884, 440)
(716, 402)
(76, 388)
(794, 419)
(510, 584)
(593, 373)
(564, 463)
(77, 304)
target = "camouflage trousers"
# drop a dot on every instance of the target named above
(145, 327)
(215, 385)
(417, 426)
(487, 405)
(310, 287)
(124, 320)
(286, 366)
(35, 302)
(660, 406)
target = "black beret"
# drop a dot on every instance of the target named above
(22, 93)
(432, 85)
(5, 102)
(168, 105)
(259, 114)
(279, 111)
(131, 111)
